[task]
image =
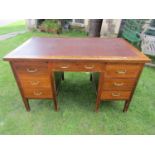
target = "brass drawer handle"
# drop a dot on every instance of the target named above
(118, 84)
(115, 94)
(33, 83)
(89, 67)
(31, 70)
(64, 67)
(121, 71)
(37, 93)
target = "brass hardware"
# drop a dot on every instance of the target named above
(118, 84)
(32, 70)
(33, 83)
(89, 67)
(121, 71)
(115, 94)
(37, 93)
(64, 67)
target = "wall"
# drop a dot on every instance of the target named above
(110, 28)
(31, 24)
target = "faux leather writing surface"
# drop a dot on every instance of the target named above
(80, 47)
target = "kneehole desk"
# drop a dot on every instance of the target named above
(118, 63)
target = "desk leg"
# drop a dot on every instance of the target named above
(25, 100)
(91, 77)
(126, 106)
(97, 103)
(54, 91)
(26, 103)
(127, 102)
(63, 76)
(55, 104)
(99, 91)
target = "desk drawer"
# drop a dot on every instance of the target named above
(122, 70)
(118, 84)
(116, 95)
(35, 82)
(24, 69)
(74, 66)
(38, 92)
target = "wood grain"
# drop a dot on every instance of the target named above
(122, 70)
(115, 95)
(76, 66)
(35, 62)
(39, 92)
(118, 84)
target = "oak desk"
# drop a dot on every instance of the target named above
(118, 63)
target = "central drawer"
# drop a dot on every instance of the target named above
(75, 66)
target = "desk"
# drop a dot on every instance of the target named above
(118, 63)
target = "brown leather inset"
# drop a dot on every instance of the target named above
(80, 47)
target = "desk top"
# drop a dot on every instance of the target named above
(116, 49)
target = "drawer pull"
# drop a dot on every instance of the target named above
(32, 70)
(118, 84)
(33, 83)
(115, 94)
(37, 93)
(64, 67)
(89, 67)
(121, 71)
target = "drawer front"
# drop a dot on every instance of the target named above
(74, 66)
(116, 95)
(38, 92)
(122, 70)
(24, 69)
(35, 82)
(118, 84)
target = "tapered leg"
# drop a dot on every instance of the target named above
(54, 91)
(91, 77)
(99, 91)
(126, 106)
(55, 104)
(97, 103)
(26, 103)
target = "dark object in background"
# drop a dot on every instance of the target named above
(95, 27)
(39, 21)
(121, 27)
(65, 24)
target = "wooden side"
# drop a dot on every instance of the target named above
(126, 106)
(25, 100)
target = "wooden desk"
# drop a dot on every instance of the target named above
(118, 63)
